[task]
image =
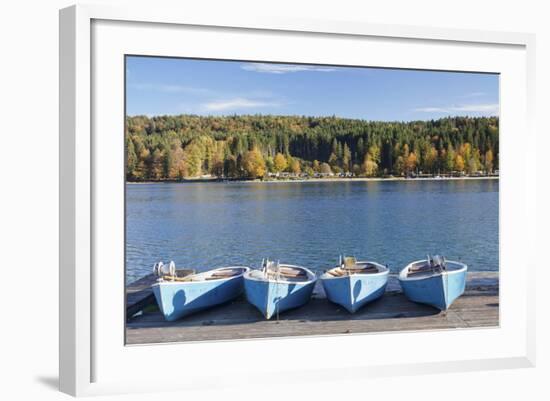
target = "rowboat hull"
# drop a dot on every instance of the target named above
(272, 297)
(439, 290)
(180, 299)
(356, 290)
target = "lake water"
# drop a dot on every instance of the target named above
(207, 225)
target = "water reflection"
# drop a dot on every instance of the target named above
(203, 225)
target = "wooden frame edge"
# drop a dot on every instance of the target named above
(74, 202)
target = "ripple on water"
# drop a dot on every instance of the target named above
(214, 224)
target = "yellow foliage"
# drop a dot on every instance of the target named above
(316, 166)
(295, 166)
(279, 162)
(254, 164)
(370, 167)
(459, 163)
(489, 160)
(411, 161)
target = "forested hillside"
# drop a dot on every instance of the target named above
(246, 146)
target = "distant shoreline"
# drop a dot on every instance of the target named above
(301, 180)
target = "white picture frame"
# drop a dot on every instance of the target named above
(90, 355)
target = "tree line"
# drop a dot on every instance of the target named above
(251, 146)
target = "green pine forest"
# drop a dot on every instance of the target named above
(253, 146)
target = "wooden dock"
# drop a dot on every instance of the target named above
(478, 307)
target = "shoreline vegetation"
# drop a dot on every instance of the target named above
(314, 179)
(275, 148)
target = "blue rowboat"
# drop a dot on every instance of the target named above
(181, 296)
(434, 281)
(355, 284)
(276, 288)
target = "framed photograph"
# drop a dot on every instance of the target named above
(356, 193)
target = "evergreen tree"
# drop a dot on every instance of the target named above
(346, 158)
(189, 146)
(131, 159)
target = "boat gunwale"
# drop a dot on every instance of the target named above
(311, 276)
(385, 271)
(161, 281)
(403, 274)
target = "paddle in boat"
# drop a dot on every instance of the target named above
(434, 281)
(353, 284)
(275, 288)
(181, 295)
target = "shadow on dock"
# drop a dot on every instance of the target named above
(478, 307)
(316, 310)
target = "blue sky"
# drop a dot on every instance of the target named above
(160, 86)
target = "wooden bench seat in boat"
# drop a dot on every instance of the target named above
(287, 274)
(225, 273)
(424, 269)
(181, 275)
(339, 272)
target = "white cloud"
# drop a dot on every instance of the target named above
(485, 108)
(236, 104)
(169, 88)
(283, 68)
(474, 94)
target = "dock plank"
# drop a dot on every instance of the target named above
(478, 307)
(139, 294)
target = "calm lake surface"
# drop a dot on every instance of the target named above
(207, 225)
